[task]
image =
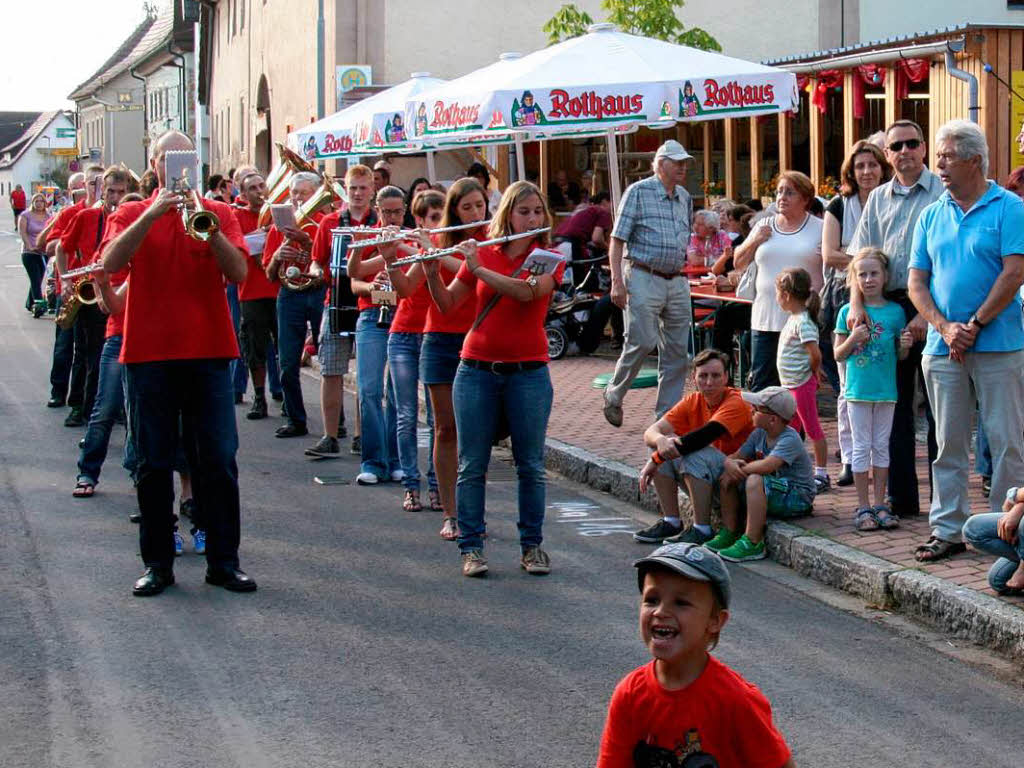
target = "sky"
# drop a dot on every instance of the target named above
(70, 38)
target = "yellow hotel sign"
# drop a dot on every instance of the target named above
(1016, 117)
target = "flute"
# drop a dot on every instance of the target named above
(409, 234)
(89, 270)
(431, 255)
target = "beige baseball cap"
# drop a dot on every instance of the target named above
(673, 150)
(778, 400)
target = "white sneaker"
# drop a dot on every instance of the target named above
(398, 476)
(367, 478)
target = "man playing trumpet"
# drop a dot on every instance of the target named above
(178, 344)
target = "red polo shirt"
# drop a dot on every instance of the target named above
(63, 219)
(513, 331)
(82, 237)
(275, 239)
(115, 323)
(18, 199)
(176, 306)
(412, 311)
(257, 285)
(459, 319)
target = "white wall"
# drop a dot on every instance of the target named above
(880, 19)
(37, 160)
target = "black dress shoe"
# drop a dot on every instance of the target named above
(278, 396)
(135, 517)
(153, 582)
(291, 430)
(55, 402)
(75, 418)
(232, 579)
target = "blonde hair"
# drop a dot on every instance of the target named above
(868, 252)
(501, 222)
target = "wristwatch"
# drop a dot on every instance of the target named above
(975, 321)
(1011, 495)
(532, 282)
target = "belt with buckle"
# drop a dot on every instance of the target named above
(659, 273)
(504, 368)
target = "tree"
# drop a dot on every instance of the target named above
(649, 18)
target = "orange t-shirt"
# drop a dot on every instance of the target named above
(720, 717)
(733, 413)
(257, 285)
(81, 238)
(176, 307)
(513, 331)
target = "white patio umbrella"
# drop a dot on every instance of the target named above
(603, 80)
(371, 126)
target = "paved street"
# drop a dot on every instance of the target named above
(365, 647)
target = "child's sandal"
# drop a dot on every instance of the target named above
(886, 519)
(866, 520)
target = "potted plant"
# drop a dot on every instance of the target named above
(713, 192)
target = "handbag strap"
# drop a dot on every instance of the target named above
(493, 300)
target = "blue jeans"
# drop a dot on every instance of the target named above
(404, 364)
(106, 408)
(63, 353)
(295, 311)
(379, 420)
(191, 401)
(480, 398)
(981, 533)
(239, 373)
(763, 371)
(982, 453)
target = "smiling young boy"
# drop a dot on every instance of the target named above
(685, 707)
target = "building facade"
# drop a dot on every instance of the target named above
(30, 160)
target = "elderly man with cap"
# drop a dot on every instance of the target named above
(651, 232)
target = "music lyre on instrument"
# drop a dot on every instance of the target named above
(181, 169)
(437, 254)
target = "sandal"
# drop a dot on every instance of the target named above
(83, 489)
(886, 519)
(411, 503)
(866, 520)
(937, 549)
(435, 502)
(449, 530)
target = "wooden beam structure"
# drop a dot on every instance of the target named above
(849, 123)
(544, 158)
(785, 141)
(708, 148)
(891, 105)
(817, 140)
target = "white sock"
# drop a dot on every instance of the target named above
(705, 529)
(821, 471)
(672, 521)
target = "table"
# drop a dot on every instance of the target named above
(706, 292)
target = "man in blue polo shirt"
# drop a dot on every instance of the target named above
(966, 267)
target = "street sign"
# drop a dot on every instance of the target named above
(351, 76)
(125, 108)
(66, 152)
(65, 133)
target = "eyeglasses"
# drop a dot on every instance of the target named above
(897, 146)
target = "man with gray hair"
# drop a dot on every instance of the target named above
(966, 267)
(651, 232)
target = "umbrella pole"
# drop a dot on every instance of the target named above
(520, 160)
(613, 171)
(431, 171)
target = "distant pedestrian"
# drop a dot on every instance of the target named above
(30, 223)
(686, 707)
(17, 198)
(966, 269)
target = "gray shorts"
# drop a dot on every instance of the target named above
(707, 464)
(335, 350)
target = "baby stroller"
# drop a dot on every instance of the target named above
(569, 323)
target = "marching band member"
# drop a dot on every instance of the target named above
(336, 348)
(504, 372)
(258, 297)
(78, 247)
(178, 344)
(376, 401)
(443, 334)
(295, 308)
(404, 343)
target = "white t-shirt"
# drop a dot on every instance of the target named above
(782, 250)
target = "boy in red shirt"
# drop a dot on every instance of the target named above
(686, 707)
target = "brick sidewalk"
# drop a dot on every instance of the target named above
(576, 419)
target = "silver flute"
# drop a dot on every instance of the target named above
(91, 269)
(432, 255)
(402, 234)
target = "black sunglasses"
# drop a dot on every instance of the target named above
(896, 146)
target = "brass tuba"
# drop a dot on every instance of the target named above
(279, 180)
(289, 273)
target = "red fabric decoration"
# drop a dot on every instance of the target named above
(910, 71)
(801, 82)
(865, 74)
(829, 78)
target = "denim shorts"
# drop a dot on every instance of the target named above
(785, 502)
(439, 357)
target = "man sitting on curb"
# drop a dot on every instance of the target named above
(690, 445)
(771, 471)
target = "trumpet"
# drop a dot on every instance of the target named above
(200, 223)
(437, 254)
(406, 235)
